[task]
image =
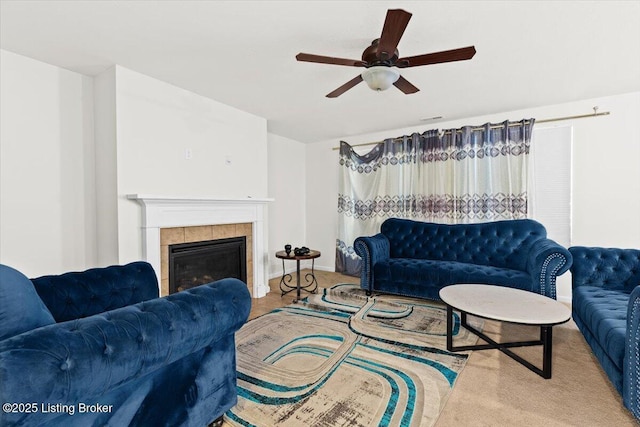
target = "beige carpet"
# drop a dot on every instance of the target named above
(494, 390)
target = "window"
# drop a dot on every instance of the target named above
(551, 192)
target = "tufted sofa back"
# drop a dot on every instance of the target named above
(75, 295)
(609, 268)
(504, 244)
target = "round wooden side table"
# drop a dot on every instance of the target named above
(310, 278)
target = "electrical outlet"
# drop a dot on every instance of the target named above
(188, 154)
(228, 160)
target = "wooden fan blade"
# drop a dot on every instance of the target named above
(461, 54)
(345, 87)
(406, 87)
(394, 25)
(307, 57)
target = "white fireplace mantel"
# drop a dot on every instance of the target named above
(166, 212)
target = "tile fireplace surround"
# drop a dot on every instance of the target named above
(168, 220)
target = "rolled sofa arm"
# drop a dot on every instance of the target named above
(547, 260)
(76, 360)
(372, 250)
(631, 370)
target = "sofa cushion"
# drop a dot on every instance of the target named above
(604, 313)
(444, 273)
(21, 309)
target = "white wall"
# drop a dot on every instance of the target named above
(606, 155)
(606, 175)
(322, 208)
(156, 124)
(287, 185)
(106, 188)
(64, 179)
(47, 203)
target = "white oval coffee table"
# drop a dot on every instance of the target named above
(505, 305)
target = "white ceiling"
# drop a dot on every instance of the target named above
(243, 54)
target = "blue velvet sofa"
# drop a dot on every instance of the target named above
(418, 259)
(606, 308)
(99, 347)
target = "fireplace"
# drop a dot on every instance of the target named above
(175, 220)
(198, 263)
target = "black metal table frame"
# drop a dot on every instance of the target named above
(546, 341)
(285, 288)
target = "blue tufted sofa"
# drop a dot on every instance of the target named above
(606, 308)
(99, 347)
(416, 258)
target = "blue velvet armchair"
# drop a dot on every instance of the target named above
(606, 309)
(100, 348)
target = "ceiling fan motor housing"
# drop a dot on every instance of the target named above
(373, 58)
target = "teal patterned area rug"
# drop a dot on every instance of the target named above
(341, 358)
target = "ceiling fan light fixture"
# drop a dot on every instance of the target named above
(380, 77)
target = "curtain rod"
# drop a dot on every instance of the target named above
(555, 119)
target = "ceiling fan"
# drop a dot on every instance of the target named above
(382, 55)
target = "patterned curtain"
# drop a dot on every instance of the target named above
(471, 174)
(479, 174)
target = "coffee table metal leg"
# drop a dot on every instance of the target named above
(449, 328)
(546, 338)
(547, 341)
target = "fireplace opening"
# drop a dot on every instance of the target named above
(194, 264)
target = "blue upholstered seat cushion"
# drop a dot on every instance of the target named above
(21, 309)
(604, 312)
(444, 273)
